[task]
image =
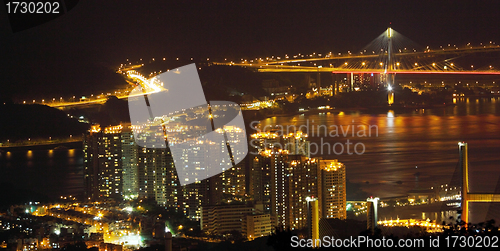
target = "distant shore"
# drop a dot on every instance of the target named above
(46, 145)
(257, 115)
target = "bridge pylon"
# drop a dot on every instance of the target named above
(390, 77)
(466, 196)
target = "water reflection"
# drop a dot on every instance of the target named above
(424, 138)
(46, 171)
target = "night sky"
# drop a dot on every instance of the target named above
(79, 52)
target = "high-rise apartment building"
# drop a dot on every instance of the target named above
(332, 189)
(234, 182)
(279, 187)
(303, 183)
(269, 165)
(260, 180)
(282, 179)
(129, 163)
(294, 142)
(102, 151)
(116, 167)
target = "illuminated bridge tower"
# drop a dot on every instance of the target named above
(464, 169)
(466, 196)
(372, 213)
(390, 77)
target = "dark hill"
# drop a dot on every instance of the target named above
(19, 122)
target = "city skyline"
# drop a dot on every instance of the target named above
(298, 120)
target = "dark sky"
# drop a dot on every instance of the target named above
(78, 52)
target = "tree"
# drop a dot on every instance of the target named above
(78, 246)
(280, 239)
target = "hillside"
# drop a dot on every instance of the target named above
(20, 122)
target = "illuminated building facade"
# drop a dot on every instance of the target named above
(269, 167)
(333, 189)
(293, 142)
(211, 179)
(260, 180)
(303, 182)
(222, 219)
(283, 176)
(313, 219)
(297, 144)
(233, 182)
(157, 177)
(116, 167)
(279, 187)
(290, 180)
(129, 165)
(257, 225)
(228, 186)
(195, 196)
(102, 151)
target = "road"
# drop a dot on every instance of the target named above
(150, 85)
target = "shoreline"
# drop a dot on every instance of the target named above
(69, 144)
(255, 114)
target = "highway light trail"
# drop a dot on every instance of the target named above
(146, 83)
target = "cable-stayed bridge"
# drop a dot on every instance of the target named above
(389, 53)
